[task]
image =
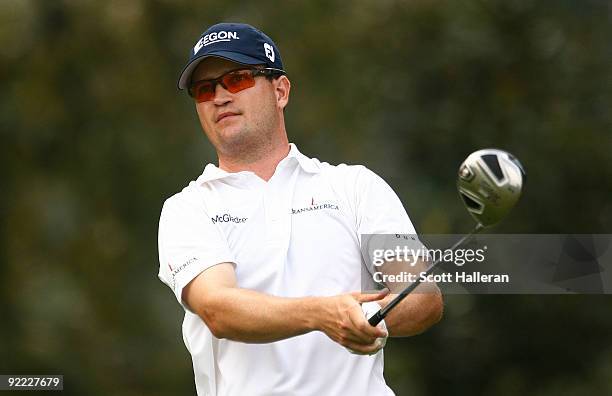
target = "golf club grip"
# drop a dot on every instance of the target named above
(376, 318)
(380, 315)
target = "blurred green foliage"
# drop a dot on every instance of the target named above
(95, 137)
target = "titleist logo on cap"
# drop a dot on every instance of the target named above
(214, 37)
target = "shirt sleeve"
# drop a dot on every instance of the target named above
(382, 221)
(189, 243)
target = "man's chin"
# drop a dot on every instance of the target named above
(232, 139)
(233, 136)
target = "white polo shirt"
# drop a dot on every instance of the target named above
(296, 235)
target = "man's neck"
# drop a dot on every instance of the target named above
(263, 167)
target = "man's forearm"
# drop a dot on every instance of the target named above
(415, 314)
(254, 317)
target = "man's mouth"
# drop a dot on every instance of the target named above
(225, 115)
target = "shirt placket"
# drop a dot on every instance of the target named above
(277, 202)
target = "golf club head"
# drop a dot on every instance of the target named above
(490, 183)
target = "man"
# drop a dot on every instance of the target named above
(263, 250)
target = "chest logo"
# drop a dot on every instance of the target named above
(319, 205)
(228, 218)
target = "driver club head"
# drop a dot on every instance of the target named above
(490, 183)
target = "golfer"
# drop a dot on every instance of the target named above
(263, 250)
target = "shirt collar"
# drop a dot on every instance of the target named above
(309, 165)
(212, 172)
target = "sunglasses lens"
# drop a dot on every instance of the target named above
(238, 80)
(234, 81)
(202, 91)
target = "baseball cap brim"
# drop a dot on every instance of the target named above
(185, 78)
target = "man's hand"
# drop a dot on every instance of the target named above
(369, 309)
(342, 319)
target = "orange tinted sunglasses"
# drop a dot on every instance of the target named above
(233, 81)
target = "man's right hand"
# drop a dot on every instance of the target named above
(342, 320)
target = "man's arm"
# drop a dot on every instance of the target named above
(379, 211)
(417, 312)
(250, 316)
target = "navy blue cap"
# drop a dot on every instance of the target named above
(237, 42)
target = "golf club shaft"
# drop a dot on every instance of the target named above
(382, 313)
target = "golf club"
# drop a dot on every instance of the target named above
(490, 183)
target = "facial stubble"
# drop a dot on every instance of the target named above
(251, 142)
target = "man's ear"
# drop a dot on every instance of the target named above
(282, 87)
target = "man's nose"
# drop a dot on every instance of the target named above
(222, 95)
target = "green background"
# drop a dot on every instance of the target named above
(95, 136)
